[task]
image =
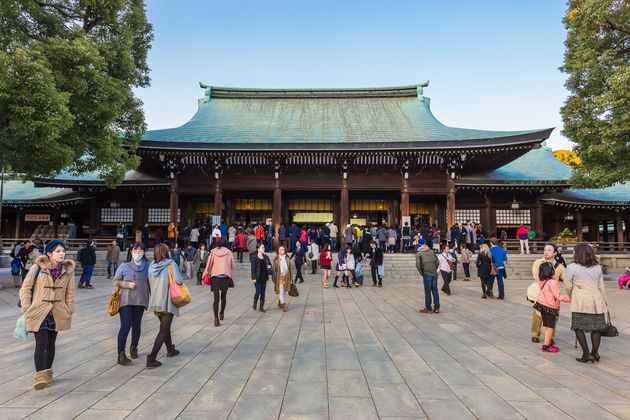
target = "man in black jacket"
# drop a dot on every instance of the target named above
(376, 261)
(87, 257)
(299, 253)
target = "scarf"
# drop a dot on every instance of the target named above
(56, 271)
(284, 268)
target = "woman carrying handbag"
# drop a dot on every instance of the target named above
(584, 282)
(131, 278)
(218, 274)
(160, 301)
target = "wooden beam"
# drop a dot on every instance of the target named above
(450, 204)
(276, 215)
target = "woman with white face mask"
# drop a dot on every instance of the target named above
(132, 279)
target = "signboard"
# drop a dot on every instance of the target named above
(30, 217)
(216, 220)
(406, 220)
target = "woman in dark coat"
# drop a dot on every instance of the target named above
(365, 241)
(484, 264)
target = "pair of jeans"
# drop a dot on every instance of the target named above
(499, 277)
(239, 254)
(446, 276)
(313, 266)
(269, 244)
(261, 288)
(130, 319)
(109, 268)
(44, 349)
(86, 277)
(333, 244)
(524, 246)
(431, 290)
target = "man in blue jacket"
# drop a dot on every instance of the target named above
(499, 258)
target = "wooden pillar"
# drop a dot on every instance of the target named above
(486, 216)
(56, 223)
(450, 203)
(276, 214)
(94, 218)
(174, 202)
(229, 212)
(344, 208)
(578, 226)
(404, 203)
(619, 229)
(18, 222)
(538, 220)
(218, 198)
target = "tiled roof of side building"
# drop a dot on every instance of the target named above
(615, 194)
(322, 116)
(25, 193)
(536, 166)
(132, 178)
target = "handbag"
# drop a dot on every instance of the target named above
(293, 291)
(119, 235)
(180, 296)
(611, 330)
(20, 328)
(533, 291)
(207, 280)
(230, 282)
(113, 306)
(493, 267)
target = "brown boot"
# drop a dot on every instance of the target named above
(284, 307)
(49, 377)
(40, 380)
(216, 321)
(262, 306)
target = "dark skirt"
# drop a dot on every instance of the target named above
(547, 314)
(588, 322)
(48, 324)
(219, 283)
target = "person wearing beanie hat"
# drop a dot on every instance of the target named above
(87, 257)
(47, 301)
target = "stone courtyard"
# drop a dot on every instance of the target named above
(362, 353)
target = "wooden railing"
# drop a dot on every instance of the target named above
(536, 247)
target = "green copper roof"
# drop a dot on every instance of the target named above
(316, 116)
(536, 166)
(615, 194)
(132, 178)
(18, 192)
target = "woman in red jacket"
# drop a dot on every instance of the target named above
(325, 261)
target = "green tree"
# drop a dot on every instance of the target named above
(67, 73)
(596, 115)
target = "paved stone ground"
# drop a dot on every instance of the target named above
(361, 353)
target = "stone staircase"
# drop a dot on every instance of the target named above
(396, 265)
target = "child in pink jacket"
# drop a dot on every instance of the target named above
(548, 303)
(624, 279)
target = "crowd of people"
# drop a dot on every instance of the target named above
(209, 256)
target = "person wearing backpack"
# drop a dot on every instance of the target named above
(427, 265)
(16, 271)
(87, 258)
(550, 256)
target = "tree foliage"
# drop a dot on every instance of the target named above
(67, 70)
(568, 157)
(597, 113)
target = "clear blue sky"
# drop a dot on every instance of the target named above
(492, 64)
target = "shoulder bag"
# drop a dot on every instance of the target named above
(493, 267)
(113, 306)
(180, 296)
